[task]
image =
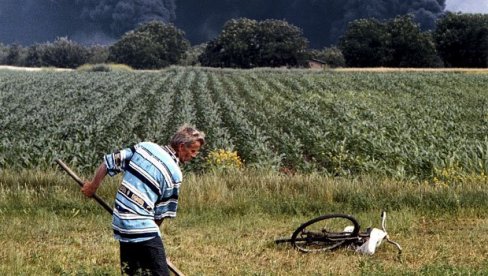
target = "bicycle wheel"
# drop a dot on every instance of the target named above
(325, 233)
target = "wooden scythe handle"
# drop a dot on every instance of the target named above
(80, 183)
(107, 207)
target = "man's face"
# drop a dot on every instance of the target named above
(187, 153)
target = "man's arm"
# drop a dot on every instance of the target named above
(90, 187)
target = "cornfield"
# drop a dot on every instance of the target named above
(399, 124)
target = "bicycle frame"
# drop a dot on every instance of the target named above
(323, 239)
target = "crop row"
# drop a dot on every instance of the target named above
(406, 124)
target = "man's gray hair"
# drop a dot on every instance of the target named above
(187, 134)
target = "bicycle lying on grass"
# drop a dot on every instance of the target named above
(333, 231)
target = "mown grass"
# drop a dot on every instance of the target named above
(227, 223)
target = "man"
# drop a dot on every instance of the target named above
(148, 194)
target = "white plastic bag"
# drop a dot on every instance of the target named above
(375, 239)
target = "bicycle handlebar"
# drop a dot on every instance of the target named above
(387, 237)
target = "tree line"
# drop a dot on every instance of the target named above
(459, 40)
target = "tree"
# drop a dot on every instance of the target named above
(153, 45)
(398, 42)
(236, 46)
(34, 55)
(323, 21)
(462, 39)
(3, 53)
(97, 54)
(366, 43)
(63, 53)
(332, 56)
(15, 55)
(246, 43)
(280, 44)
(192, 54)
(213, 55)
(409, 47)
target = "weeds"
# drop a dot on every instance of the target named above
(227, 222)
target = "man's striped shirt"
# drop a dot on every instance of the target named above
(148, 192)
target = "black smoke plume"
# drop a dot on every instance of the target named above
(116, 17)
(323, 21)
(103, 21)
(87, 21)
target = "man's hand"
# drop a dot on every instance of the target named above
(88, 189)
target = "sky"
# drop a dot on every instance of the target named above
(467, 6)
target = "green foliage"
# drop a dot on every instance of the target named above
(97, 54)
(398, 42)
(236, 45)
(192, 55)
(15, 55)
(364, 43)
(120, 67)
(405, 124)
(462, 39)
(153, 45)
(3, 53)
(34, 56)
(53, 230)
(94, 68)
(223, 160)
(103, 67)
(280, 44)
(332, 56)
(246, 43)
(230, 185)
(63, 53)
(409, 47)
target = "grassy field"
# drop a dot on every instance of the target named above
(227, 224)
(411, 142)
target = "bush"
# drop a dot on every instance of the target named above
(332, 56)
(398, 42)
(64, 53)
(97, 54)
(246, 43)
(103, 67)
(94, 68)
(364, 43)
(462, 39)
(223, 160)
(153, 45)
(16, 55)
(3, 53)
(192, 54)
(34, 56)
